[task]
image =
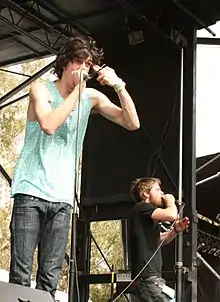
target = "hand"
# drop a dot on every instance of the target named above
(181, 225)
(107, 76)
(79, 76)
(169, 199)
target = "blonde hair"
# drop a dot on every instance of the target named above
(142, 185)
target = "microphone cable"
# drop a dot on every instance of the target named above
(151, 258)
(76, 180)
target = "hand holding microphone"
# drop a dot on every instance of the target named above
(80, 77)
(169, 200)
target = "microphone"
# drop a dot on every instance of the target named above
(86, 77)
(177, 203)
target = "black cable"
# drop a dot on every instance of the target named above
(76, 198)
(160, 158)
(165, 136)
(151, 258)
(155, 152)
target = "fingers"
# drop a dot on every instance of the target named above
(79, 75)
(185, 220)
(100, 69)
(106, 75)
(100, 78)
(169, 199)
(103, 82)
(96, 67)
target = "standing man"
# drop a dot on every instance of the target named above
(43, 183)
(152, 206)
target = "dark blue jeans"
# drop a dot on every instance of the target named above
(149, 290)
(37, 222)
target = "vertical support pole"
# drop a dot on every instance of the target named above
(179, 243)
(83, 253)
(189, 164)
(73, 274)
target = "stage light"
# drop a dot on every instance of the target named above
(135, 37)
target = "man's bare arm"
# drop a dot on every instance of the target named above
(169, 213)
(167, 236)
(180, 226)
(50, 120)
(126, 116)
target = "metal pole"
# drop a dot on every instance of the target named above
(208, 179)
(179, 242)
(14, 101)
(194, 17)
(208, 163)
(208, 266)
(126, 256)
(72, 293)
(5, 175)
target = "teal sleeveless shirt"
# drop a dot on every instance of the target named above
(46, 166)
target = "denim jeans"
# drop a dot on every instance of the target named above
(37, 222)
(149, 290)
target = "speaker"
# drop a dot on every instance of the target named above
(17, 293)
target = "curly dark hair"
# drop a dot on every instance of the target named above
(77, 49)
(141, 185)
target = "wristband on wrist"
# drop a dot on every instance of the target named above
(118, 87)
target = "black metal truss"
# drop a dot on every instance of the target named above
(14, 72)
(14, 101)
(208, 41)
(33, 12)
(26, 83)
(193, 17)
(5, 175)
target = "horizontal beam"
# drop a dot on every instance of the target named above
(5, 175)
(26, 83)
(119, 277)
(14, 101)
(208, 41)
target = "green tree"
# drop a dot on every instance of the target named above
(5, 238)
(108, 237)
(12, 124)
(13, 117)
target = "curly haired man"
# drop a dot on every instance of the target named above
(43, 182)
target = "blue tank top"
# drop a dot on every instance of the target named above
(46, 166)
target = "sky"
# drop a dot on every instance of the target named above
(208, 95)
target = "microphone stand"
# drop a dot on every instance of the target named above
(72, 292)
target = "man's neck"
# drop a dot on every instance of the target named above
(64, 88)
